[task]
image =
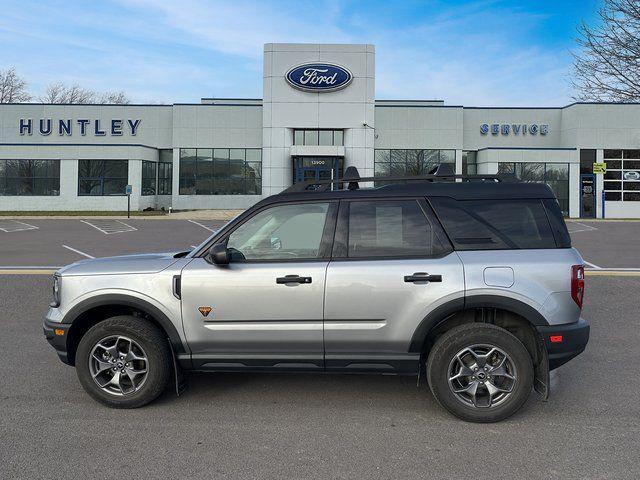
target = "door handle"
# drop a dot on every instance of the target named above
(292, 279)
(422, 277)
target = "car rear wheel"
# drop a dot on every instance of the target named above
(124, 362)
(480, 372)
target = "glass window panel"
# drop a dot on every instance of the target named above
(236, 154)
(398, 156)
(114, 186)
(325, 137)
(506, 168)
(631, 164)
(203, 186)
(631, 197)
(613, 175)
(557, 171)
(311, 137)
(381, 170)
(381, 156)
(631, 186)
(447, 156)
(253, 154)
(204, 163)
(236, 168)
(114, 168)
(338, 137)
(613, 196)
(614, 164)
(166, 155)
(282, 232)
(612, 154)
(635, 154)
(298, 137)
(391, 228)
(90, 187)
(397, 169)
(531, 172)
(612, 185)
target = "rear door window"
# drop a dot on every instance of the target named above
(495, 224)
(392, 228)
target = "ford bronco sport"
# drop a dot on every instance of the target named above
(471, 279)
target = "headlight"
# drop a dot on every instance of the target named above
(56, 291)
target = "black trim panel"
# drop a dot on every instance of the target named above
(258, 363)
(406, 364)
(506, 303)
(128, 301)
(575, 337)
(58, 342)
(431, 320)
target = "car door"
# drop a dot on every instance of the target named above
(392, 265)
(265, 309)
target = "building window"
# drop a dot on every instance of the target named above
(622, 180)
(469, 162)
(30, 177)
(220, 171)
(587, 159)
(401, 163)
(318, 137)
(102, 177)
(148, 178)
(556, 175)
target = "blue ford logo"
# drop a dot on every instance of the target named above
(319, 77)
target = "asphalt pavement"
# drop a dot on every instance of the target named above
(300, 426)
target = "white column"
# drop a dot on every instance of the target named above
(574, 190)
(458, 162)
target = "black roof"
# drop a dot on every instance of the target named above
(456, 190)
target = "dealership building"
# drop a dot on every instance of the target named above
(318, 115)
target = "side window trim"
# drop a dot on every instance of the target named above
(341, 239)
(326, 240)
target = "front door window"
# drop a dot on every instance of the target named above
(285, 232)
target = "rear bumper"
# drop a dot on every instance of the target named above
(575, 337)
(56, 335)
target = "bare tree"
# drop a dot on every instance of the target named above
(13, 89)
(75, 94)
(608, 66)
(117, 98)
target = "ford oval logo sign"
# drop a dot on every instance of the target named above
(631, 175)
(319, 77)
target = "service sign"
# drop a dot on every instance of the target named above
(319, 77)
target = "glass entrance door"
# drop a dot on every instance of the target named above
(587, 196)
(317, 168)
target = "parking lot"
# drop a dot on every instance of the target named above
(306, 426)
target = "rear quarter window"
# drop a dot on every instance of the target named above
(495, 224)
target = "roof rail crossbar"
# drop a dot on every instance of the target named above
(323, 185)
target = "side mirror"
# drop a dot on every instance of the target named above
(219, 254)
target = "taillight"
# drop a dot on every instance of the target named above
(577, 284)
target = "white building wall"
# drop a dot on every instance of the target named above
(286, 108)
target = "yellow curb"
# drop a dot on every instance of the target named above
(23, 271)
(609, 273)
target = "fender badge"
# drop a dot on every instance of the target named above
(205, 310)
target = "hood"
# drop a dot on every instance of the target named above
(123, 264)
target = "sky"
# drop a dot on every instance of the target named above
(472, 53)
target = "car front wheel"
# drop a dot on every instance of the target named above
(124, 362)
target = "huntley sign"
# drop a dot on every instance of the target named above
(67, 127)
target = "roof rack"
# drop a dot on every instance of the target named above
(352, 178)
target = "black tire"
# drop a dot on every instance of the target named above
(454, 341)
(154, 344)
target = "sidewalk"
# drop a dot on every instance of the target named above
(184, 215)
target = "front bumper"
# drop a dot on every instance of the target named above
(56, 334)
(571, 340)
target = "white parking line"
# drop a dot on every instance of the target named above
(77, 251)
(593, 265)
(203, 226)
(9, 226)
(110, 226)
(585, 227)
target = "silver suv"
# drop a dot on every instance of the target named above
(472, 281)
